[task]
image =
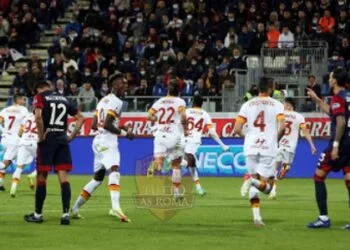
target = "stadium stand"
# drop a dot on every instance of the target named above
(209, 46)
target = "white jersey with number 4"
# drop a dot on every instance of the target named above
(30, 133)
(168, 113)
(111, 105)
(197, 120)
(262, 115)
(294, 122)
(13, 117)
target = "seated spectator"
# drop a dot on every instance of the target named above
(327, 21)
(73, 27)
(237, 61)
(345, 50)
(43, 16)
(86, 97)
(200, 88)
(220, 51)
(335, 61)
(272, 36)
(20, 82)
(34, 60)
(4, 30)
(73, 75)
(99, 63)
(60, 87)
(73, 93)
(104, 90)
(143, 90)
(35, 76)
(211, 80)
(68, 60)
(286, 38)
(312, 84)
(15, 41)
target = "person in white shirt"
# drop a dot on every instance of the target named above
(105, 148)
(10, 122)
(170, 117)
(197, 122)
(286, 38)
(265, 125)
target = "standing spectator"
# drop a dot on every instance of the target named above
(312, 84)
(200, 88)
(220, 51)
(143, 90)
(43, 16)
(273, 36)
(86, 97)
(34, 60)
(29, 29)
(237, 61)
(4, 29)
(245, 39)
(20, 82)
(286, 38)
(259, 39)
(345, 49)
(327, 21)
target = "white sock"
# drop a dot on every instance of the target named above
(33, 174)
(17, 174)
(65, 214)
(254, 194)
(85, 194)
(176, 179)
(184, 162)
(114, 189)
(324, 217)
(256, 213)
(195, 177)
(37, 215)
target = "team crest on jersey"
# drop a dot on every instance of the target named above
(156, 193)
(336, 105)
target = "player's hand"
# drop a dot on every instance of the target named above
(313, 150)
(130, 135)
(225, 148)
(335, 153)
(70, 138)
(312, 94)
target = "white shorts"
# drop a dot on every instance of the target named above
(261, 164)
(26, 154)
(168, 146)
(10, 148)
(190, 146)
(106, 154)
(284, 157)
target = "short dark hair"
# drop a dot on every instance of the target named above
(42, 84)
(17, 96)
(173, 87)
(341, 76)
(290, 101)
(197, 101)
(311, 76)
(264, 84)
(114, 77)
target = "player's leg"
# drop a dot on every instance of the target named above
(10, 152)
(320, 176)
(31, 177)
(159, 153)
(246, 185)
(264, 178)
(176, 177)
(62, 162)
(273, 192)
(24, 157)
(347, 185)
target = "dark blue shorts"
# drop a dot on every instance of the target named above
(326, 163)
(53, 155)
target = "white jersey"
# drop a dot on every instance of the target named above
(168, 112)
(294, 121)
(111, 105)
(13, 117)
(261, 115)
(197, 120)
(30, 133)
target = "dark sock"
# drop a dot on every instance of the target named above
(321, 196)
(66, 196)
(40, 195)
(347, 183)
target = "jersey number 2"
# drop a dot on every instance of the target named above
(260, 121)
(58, 111)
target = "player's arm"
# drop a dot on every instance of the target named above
(339, 133)
(238, 129)
(281, 125)
(216, 138)
(21, 131)
(78, 125)
(2, 121)
(109, 126)
(308, 138)
(94, 125)
(182, 111)
(39, 123)
(152, 115)
(324, 106)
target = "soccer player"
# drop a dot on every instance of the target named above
(105, 148)
(265, 126)
(10, 122)
(51, 111)
(337, 154)
(26, 152)
(288, 143)
(197, 121)
(169, 114)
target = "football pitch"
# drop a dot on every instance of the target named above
(220, 220)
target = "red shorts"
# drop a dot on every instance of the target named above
(53, 155)
(326, 163)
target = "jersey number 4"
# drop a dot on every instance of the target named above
(58, 112)
(259, 121)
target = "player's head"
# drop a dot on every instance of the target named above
(42, 86)
(19, 99)
(197, 101)
(173, 88)
(289, 104)
(338, 78)
(265, 85)
(116, 83)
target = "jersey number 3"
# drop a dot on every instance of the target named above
(58, 112)
(259, 121)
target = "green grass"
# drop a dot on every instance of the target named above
(220, 220)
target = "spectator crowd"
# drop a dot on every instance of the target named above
(200, 43)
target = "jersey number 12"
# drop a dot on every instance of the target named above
(58, 112)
